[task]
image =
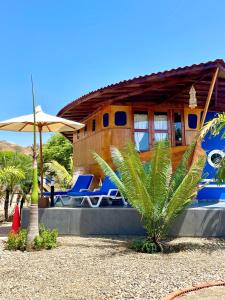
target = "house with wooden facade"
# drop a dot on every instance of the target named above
(171, 105)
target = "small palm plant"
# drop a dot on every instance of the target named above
(10, 176)
(158, 194)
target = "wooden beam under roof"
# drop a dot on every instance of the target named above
(212, 85)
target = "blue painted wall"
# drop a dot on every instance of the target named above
(212, 191)
(212, 143)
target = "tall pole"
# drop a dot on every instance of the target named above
(41, 160)
(34, 195)
(33, 229)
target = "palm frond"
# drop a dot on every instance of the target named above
(181, 169)
(185, 193)
(149, 189)
(160, 173)
(62, 176)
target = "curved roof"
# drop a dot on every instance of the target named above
(153, 87)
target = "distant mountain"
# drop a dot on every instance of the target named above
(4, 145)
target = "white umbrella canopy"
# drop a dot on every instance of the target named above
(44, 123)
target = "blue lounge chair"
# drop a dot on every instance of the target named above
(82, 183)
(107, 191)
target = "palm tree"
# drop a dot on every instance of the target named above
(33, 228)
(12, 165)
(158, 194)
(10, 176)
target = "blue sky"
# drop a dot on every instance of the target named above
(75, 46)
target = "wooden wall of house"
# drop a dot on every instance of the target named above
(87, 141)
(98, 138)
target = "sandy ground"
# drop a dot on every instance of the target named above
(104, 268)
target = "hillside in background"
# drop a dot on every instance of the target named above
(4, 145)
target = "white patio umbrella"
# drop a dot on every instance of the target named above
(44, 123)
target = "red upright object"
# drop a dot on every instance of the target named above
(16, 220)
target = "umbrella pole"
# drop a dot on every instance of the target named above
(41, 161)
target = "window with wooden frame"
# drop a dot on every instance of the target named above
(141, 131)
(151, 126)
(161, 128)
(178, 128)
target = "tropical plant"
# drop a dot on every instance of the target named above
(10, 176)
(17, 241)
(158, 194)
(23, 163)
(59, 148)
(63, 178)
(33, 229)
(47, 239)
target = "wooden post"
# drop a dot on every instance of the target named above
(41, 161)
(209, 96)
(198, 151)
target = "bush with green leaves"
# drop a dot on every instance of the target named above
(158, 193)
(17, 241)
(47, 239)
(144, 245)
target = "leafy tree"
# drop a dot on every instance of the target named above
(9, 177)
(60, 149)
(158, 194)
(15, 172)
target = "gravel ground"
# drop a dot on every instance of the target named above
(212, 293)
(103, 268)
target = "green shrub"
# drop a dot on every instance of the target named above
(47, 239)
(145, 246)
(17, 241)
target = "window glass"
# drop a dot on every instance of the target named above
(160, 136)
(106, 120)
(93, 125)
(120, 118)
(78, 134)
(178, 128)
(141, 139)
(192, 121)
(141, 120)
(160, 121)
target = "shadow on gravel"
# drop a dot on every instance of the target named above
(5, 229)
(207, 245)
(120, 245)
